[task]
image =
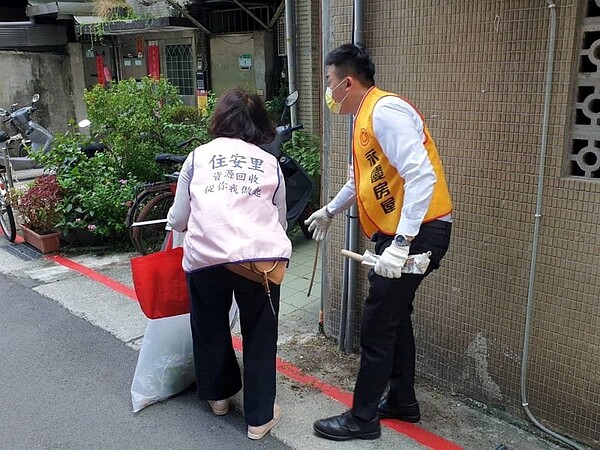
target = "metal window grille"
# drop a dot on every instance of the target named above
(180, 70)
(281, 48)
(237, 20)
(584, 157)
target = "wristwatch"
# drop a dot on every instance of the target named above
(401, 241)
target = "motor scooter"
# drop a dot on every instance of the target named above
(298, 185)
(29, 134)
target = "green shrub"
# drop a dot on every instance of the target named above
(95, 193)
(305, 148)
(137, 120)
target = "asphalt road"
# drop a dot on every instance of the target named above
(64, 384)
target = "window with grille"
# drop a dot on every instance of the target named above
(281, 48)
(180, 67)
(584, 157)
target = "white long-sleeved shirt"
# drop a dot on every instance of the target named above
(399, 130)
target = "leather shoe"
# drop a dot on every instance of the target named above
(407, 413)
(258, 432)
(219, 407)
(345, 427)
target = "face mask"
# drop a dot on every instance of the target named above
(334, 106)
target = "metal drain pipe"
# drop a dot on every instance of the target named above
(290, 49)
(352, 229)
(536, 229)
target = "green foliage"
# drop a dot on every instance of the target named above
(135, 121)
(276, 105)
(38, 204)
(96, 195)
(140, 119)
(305, 148)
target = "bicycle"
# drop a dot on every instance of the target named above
(7, 217)
(147, 215)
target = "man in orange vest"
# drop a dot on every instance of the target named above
(398, 184)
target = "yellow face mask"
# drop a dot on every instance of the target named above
(334, 106)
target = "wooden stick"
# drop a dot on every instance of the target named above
(355, 256)
(314, 271)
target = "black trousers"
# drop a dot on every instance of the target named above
(387, 339)
(217, 371)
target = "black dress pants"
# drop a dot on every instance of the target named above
(387, 339)
(217, 371)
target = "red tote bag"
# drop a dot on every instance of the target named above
(160, 283)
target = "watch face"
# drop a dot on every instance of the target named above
(400, 241)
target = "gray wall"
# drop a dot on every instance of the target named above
(47, 74)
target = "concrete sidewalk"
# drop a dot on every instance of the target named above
(443, 414)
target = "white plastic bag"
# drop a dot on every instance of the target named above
(165, 364)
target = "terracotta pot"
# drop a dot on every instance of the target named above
(45, 243)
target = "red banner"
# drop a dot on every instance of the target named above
(100, 70)
(153, 60)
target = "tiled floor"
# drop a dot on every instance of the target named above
(295, 303)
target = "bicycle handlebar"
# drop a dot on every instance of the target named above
(187, 142)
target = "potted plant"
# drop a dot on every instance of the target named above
(37, 205)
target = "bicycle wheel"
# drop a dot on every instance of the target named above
(7, 218)
(149, 238)
(138, 204)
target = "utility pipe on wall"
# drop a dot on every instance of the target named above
(352, 228)
(536, 228)
(290, 49)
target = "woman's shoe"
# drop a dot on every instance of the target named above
(219, 407)
(260, 431)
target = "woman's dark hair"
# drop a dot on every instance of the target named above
(349, 59)
(242, 115)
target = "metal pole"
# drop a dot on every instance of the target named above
(290, 48)
(352, 236)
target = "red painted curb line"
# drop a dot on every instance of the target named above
(285, 368)
(90, 273)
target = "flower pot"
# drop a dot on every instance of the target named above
(45, 243)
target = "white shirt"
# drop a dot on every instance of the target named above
(399, 130)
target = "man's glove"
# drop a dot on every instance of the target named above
(319, 221)
(392, 261)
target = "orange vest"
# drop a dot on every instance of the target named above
(379, 187)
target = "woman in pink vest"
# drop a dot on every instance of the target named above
(230, 200)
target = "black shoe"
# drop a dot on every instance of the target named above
(345, 427)
(407, 413)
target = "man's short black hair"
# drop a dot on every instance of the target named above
(350, 60)
(242, 115)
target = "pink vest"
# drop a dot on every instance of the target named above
(233, 217)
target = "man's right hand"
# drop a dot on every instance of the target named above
(319, 222)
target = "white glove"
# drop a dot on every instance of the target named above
(319, 221)
(392, 261)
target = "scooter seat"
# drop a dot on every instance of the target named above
(167, 159)
(93, 148)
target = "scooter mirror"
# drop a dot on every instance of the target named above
(291, 99)
(84, 123)
(3, 112)
(35, 98)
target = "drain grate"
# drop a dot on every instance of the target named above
(22, 251)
